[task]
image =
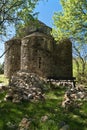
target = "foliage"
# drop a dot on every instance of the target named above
(72, 21)
(80, 70)
(15, 11)
(80, 58)
(3, 79)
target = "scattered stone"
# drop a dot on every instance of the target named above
(11, 126)
(8, 97)
(44, 118)
(73, 95)
(60, 83)
(24, 124)
(25, 86)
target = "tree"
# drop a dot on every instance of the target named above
(80, 56)
(16, 12)
(80, 61)
(72, 21)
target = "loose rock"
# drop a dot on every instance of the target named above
(72, 96)
(24, 124)
(25, 86)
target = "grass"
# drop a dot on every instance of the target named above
(11, 114)
(3, 79)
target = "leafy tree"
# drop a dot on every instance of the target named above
(80, 61)
(14, 14)
(72, 21)
(80, 57)
(15, 11)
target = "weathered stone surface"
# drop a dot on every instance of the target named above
(37, 52)
(12, 57)
(41, 55)
(25, 86)
(35, 56)
(35, 26)
(72, 96)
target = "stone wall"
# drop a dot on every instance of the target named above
(35, 26)
(12, 57)
(38, 53)
(63, 59)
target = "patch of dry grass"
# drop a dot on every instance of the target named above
(3, 79)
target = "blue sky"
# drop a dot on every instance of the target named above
(46, 11)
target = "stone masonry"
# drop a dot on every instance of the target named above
(12, 57)
(37, 52)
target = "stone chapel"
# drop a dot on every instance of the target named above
(37, 52)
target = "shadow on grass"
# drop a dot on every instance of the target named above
(10, 112)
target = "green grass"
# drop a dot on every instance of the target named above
(11, 113)
(3, 79)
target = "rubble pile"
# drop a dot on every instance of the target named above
(73, 96)
(25, 86)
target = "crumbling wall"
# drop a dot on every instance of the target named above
(63, 59)
(12, 57)
(36, 54)
(35, 26)
(39, 53)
